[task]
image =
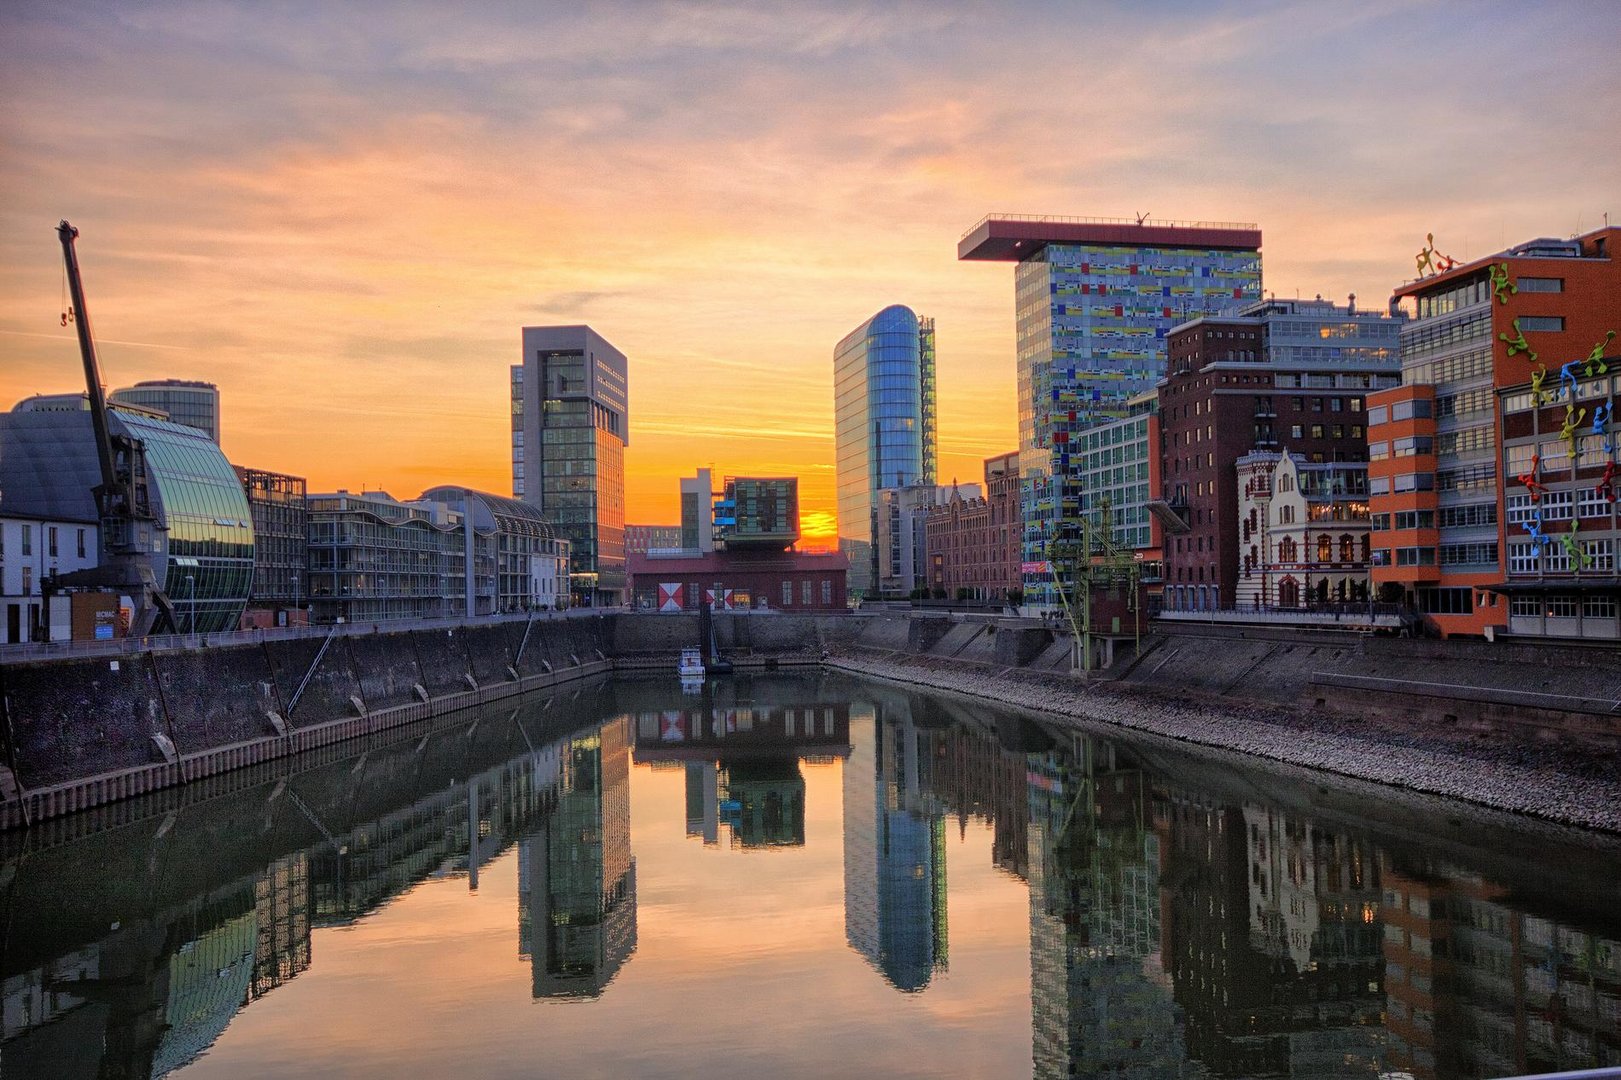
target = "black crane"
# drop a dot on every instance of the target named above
(129, 528)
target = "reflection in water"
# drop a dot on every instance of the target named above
(576, 875)
(1186, 918)
(894, 853)
(742, 764)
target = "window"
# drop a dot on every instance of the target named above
(1417, 408)
(1414, 444)
(1297, 432)
(1336, 404)
(1378, 451)
(1540, 284)
(1317, 431)
(1415, 482)
(1559, 606)
(1522, 559)
(1544, 323)
(1415, 556)
(1356, 404)
(805, 592)
(28, 575)
(827, 592)
(81, 544)
(1380, 522)
(1378, 485)
(1481, 554)
(1598, 607)
(1378, 415)
(50, 541)
(1415, 519)
(787, 594)
(28, 543)
(1524, 605)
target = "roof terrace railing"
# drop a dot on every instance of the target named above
(1146, 222)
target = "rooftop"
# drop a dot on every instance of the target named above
(1013, 237)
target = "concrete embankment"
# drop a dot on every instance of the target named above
(90, 730)
(1522, 750)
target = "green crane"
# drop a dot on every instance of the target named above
(1085, 557)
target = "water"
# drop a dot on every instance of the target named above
(800, 876)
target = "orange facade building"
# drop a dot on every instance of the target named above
(1492, 469)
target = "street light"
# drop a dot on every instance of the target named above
(191, 592)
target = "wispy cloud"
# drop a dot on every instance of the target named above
(346, 217)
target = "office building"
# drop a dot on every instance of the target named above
(697, 513)
(755, 513)
(570, 427)
(1276, 376)
(1094, 302)
(884, 421)
(1495, 465)
(639, 539)
(280, 594)
(972, 543)
(183, 401)
(901, 539)
(372, 557)
(204, 542)
(516, 560)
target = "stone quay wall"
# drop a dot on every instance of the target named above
(82, 731)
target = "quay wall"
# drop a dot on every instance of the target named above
(85, 730)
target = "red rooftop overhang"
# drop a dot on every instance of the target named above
(1012, 237)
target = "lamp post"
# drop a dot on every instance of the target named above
(191, 593)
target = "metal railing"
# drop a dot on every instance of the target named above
(1350, 612)
(1147, 222)
(131, 646)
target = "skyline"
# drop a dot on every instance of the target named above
(323, 215)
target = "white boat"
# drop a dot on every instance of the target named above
(691, 664)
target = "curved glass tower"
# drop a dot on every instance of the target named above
(884, 419)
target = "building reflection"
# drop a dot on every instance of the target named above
(742, 765)
(576, 873)
(894, 852)
(1474, 986)
(1101, 1002)
(157, 990)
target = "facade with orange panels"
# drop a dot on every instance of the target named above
(1514, 356)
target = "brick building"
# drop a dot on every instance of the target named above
(1278, 375)
(1494, 466)
(973, 543)
(778, 580)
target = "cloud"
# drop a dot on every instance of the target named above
(348, 211)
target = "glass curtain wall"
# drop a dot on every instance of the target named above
(879, 416)
(207, 569)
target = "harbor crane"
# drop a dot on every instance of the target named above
(130, 532)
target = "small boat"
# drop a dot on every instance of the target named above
(691, 664)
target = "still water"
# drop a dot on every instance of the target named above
(799, 876)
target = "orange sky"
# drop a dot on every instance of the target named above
(344, 221)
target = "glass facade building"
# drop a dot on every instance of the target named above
(194, 404)
(570, 426)
(884, 418)
(203, 546)
(1094, 301)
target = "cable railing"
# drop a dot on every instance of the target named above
(1146, 222)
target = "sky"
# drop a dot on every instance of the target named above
(344, 214)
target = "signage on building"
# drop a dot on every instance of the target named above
(669, 596)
